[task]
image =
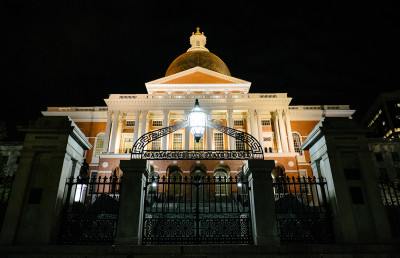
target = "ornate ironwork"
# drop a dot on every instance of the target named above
(302, 210)
(197, 210)
(145, 139)
(255, 151)
(198, 154)
(90, 212)
(255, 146)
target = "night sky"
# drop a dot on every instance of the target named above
(78, 53)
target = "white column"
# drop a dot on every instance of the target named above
(283, 132)
(107, 132)
(144, 119)
(114, 131)
(208, 134)
(165, 124)
(187, 138)
(119, 133)
(277, 135)
(231, 143)
(253, 125)
(289, 131)
(260, 131)
(136, 129)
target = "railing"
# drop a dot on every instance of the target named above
(302, 210)
(197, 210)
(390, 193)
(90, 212)
(6, 183)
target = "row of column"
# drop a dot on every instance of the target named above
(283, 132)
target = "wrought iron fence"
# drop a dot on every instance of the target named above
(390, 192)
(90, 211)
(302, 210)
(6, 183)
(197, 210)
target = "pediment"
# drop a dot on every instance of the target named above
(198, 75)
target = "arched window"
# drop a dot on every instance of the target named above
(220, 183)
(98, 145)
(297, 143)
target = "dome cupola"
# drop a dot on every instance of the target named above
(198, 55)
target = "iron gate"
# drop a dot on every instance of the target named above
(197, 210)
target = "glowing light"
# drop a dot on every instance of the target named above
(197, 121)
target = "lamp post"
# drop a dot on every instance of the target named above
(197, 121)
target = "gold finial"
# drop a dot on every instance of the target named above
(198, 31)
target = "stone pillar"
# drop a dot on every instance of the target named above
(277, 134)
(231, 142)
(165, 124)
(358, 213)
(289, 131)
(282, 132)
(119, 133)
(114, 131)
(260, 131)
(107, 132)
(208, 134)
(264, 222)
(130, 214)
(136, 129)
(53, 149)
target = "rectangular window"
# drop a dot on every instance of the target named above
(156, 144)
(127, 142)
(267, 139)
(157, 123)
(238, 123)
(198, 145)
(352, 174)
(99, 145)
(130, 123)
(218, 141)
(239, 144)
(266, 122)
(177, 141)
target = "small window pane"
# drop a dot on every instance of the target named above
(156, 144)
(177, 141)
(379, 156)
(130, 123)
(395, 156)
(219, 141)
(238, 123)
(157, 123)
(265, 122)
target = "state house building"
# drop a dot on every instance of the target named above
(199, 74)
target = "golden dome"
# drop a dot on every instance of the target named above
(200, 58)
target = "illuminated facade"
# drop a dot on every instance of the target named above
(198, 74)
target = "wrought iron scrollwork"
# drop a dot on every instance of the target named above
(255, 149)
(254, 145)
(145, 139)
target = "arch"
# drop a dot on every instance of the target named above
(278, 172)
(297, 142)
(171, 169)
(198, 170)
(98, 144)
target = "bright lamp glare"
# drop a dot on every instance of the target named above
(197, 121)
(239, 184)
(154, 184)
